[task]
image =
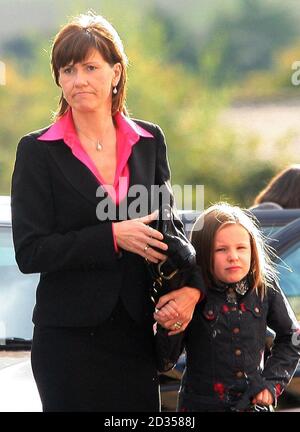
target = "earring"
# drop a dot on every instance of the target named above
(115, 90)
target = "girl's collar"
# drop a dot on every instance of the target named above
(241, 287)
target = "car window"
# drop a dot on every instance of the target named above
(17, 292)
(290, 277)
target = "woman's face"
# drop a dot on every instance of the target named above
(87, 86)
(231, 253)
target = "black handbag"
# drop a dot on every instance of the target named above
(176, 270)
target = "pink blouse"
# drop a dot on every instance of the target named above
(128, 134)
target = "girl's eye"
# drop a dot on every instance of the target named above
(91, 67)
(220, 250)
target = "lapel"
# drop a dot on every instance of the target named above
(142, 163)
(141, 168)
(75, 172)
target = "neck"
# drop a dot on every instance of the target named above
(94, 123)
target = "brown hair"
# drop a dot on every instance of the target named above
(283, 189)
(73, 43)
(203, 234)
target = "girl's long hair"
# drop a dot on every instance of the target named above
(262, 270)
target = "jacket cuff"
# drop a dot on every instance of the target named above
(196, 281)
(275, 389)
(115, 239)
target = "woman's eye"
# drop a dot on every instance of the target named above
(67, 70)
(91, 67)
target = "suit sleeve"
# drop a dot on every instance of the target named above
(167, 348)
(283, 360)
(163, 179)
(39, 247)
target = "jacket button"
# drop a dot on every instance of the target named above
(236, 330)
(238, 352)
(256, 309)
(210, 312)
(239, 374)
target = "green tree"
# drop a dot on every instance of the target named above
(178, 98)
(246, 40)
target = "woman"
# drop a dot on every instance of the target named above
(93, 340)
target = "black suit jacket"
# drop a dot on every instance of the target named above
(56, 232)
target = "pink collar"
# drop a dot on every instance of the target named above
(64, 129)
(128, 134)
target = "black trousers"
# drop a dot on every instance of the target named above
(106, 368)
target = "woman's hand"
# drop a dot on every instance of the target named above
(265, 397)
(175, 310)
(138, 237)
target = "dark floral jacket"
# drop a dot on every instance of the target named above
(225, 348)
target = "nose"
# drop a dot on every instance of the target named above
(232, 255)
(80, 79)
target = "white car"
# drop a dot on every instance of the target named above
(18, 391)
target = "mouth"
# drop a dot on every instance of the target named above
(233, 268)
(82, 93)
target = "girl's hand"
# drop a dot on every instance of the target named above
(265, 397)
(177, 307)
(136, 236)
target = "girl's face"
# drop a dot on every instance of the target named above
(231, 253)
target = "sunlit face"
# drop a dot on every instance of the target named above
(87, 86)
(231, 253)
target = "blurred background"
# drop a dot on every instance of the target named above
(215, 75)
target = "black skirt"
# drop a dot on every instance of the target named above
(110, 367)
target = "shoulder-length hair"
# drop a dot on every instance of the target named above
(283, 189)
(73, 44)
(262, 270)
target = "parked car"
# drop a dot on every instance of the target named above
(17, 297)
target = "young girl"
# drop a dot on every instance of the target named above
(225, 341)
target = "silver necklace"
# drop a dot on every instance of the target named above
(98, 144)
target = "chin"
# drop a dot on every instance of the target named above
(234, 279)
(85, 108)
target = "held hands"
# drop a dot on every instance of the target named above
(138, 237)
(175, 310)
(265, 397)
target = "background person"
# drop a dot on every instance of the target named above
(93, 340)
(283, 190)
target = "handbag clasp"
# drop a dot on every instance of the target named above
(161, 273)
